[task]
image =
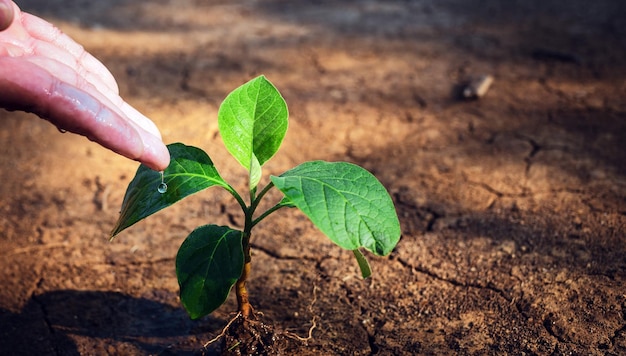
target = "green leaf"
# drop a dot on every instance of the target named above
(346, 202)
(190, 171)
(366, 271)
(208, 264)
(253, 121)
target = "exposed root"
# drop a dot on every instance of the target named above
(291, 335)
(247, 336)
(244, 336)
(313, 321)
(220, 335)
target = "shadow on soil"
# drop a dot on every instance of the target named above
(111, 320)
(468, 26)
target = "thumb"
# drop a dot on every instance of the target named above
(6, 14)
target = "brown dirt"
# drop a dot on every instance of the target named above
(513, 207)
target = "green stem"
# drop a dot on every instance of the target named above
(243, 302)
(241, 291)
(252, 195)
(237, 197)
(268, 212)
(255, 201)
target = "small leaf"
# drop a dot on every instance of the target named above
(366, 271)
(255, 173)
(208, 264)
(190, 171)
(346, 202)
(253, 121)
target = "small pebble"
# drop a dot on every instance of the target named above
(478, 87)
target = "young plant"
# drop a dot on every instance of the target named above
(346, 202)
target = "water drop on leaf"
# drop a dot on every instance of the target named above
(162, 187)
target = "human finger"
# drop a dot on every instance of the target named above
(75, 110)
(51, 41)
(6, 14)
(33, 36)
(63, 65)
(90, 85)
(52, 44)
(81, 113)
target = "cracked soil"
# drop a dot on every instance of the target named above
(513, 207)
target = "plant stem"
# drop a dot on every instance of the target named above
(243, 302)
(265, 214)
(237, 197)
(262, 193)
(255, 200)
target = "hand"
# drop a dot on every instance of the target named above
(45, 72)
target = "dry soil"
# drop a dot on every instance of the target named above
(513, 206)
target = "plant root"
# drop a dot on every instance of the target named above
(220, 335)
(248, 336)
(254, 336)
(295, 336)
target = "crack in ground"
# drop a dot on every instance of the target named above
(429, 214)
(488, 188)
(374, 349)
(548, 326)
(354, 302)
(547, 323)
(526, 192)
(616, 334)
(432, 219)
(588, 201)
(494, 191)
(46, 319)
(279, 256)
(535, 148)
(489, 286)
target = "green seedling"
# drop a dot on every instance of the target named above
(346, 202)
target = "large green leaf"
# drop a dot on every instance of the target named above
(208, 264)
(190, 171)
(253, 121)
(346, 202)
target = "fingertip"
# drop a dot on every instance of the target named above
(163, 160)
(7, 14)
(155, 154)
